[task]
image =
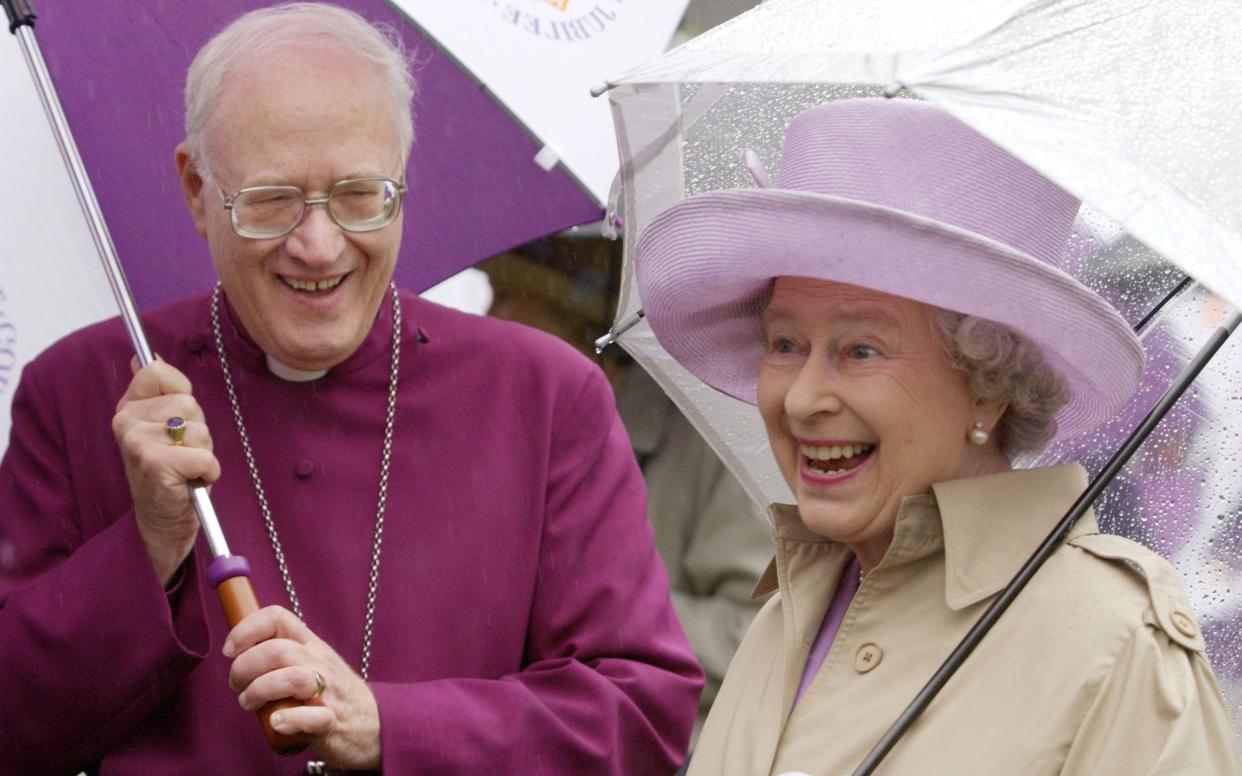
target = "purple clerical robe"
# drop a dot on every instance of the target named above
(522, 625)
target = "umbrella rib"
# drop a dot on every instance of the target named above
(1181, 286)
(1050, 544)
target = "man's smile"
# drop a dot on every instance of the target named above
(312, 285)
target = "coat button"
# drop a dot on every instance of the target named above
(196, 343)
(305, 468)
(1184, 624)
(867, 658)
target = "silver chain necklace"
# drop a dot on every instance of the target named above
(383, 481)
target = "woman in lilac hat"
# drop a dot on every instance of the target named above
(915, 334)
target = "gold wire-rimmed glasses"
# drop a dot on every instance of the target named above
(355, 205)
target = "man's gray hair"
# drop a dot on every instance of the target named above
(263, 30)
(1002, 364)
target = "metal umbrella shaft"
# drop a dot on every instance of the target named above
(1049, 546)
(230, 574)
(107, 252)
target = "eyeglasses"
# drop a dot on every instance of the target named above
(355, 205)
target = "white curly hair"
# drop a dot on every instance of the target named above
(1002, 364)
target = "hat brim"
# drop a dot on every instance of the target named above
(704, 269)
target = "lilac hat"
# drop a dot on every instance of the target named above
(898, 197)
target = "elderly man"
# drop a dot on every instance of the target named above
(444, 508)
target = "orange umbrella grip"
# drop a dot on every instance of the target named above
(238, 599)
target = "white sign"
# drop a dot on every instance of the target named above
(541, 58)
(51, 281)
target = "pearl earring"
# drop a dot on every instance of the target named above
(977, 435)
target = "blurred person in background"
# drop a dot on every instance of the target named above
(714, 541)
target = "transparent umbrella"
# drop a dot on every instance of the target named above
(1135, 107)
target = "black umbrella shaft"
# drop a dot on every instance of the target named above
(1049, 546)
(103, 240)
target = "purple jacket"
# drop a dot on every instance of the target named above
(523, 622)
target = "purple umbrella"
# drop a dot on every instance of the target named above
(475, 190)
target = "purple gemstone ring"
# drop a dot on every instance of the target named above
(175, 428)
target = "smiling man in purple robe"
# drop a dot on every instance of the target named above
(443, 509)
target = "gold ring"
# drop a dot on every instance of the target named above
(175, 428)
(320, 685)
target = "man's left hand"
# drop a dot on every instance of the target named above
(277, 657)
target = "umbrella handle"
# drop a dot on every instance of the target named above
(238, 599)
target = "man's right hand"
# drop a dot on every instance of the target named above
(159, 472)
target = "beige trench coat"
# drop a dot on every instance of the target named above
(1097, 668)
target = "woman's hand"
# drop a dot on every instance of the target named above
(275, 657)
(159, 471)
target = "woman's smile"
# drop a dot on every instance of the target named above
(830, 462)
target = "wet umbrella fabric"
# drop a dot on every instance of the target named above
(1145, 133)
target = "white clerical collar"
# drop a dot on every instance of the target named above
(286, 372)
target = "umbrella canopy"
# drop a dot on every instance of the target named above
(493, 94)
(566, 48)
(1134, 107)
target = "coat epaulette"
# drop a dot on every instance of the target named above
(1169, 607)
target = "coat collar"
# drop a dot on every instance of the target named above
(988, 527)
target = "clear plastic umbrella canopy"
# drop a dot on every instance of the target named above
(1134, 107)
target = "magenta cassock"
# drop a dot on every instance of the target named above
(522, 625)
